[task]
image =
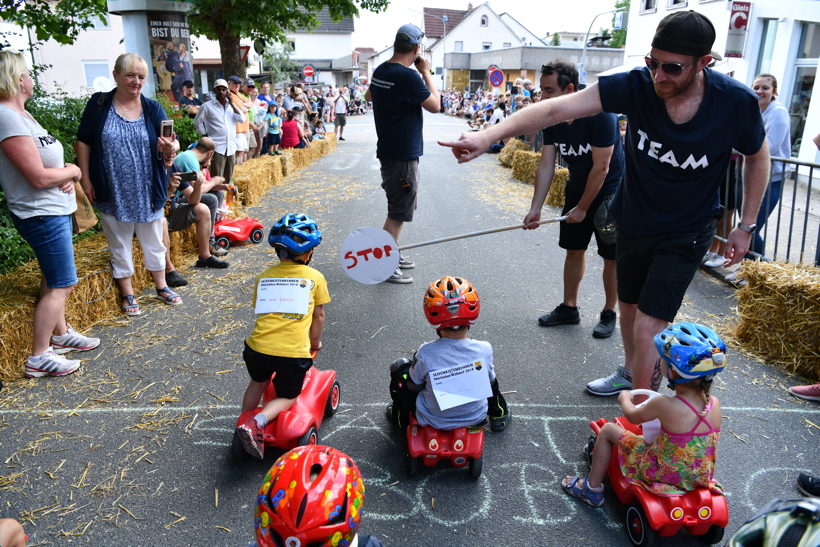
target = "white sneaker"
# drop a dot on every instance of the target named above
(399, 277)
(73, 341)
(50, 364)
(713, 260)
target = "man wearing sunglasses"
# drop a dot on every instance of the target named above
(591, 148)
(684, 121)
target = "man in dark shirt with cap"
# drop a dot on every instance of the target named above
(684, 121)
(188, 103)
(398, 95)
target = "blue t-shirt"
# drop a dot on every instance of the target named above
(397, 94)
(673, 171)
(187, 162)
(575, 141)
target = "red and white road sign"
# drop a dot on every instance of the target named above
(369, 255)
(308, 71)
(738, 28)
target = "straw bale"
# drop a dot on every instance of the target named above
(559, 182)
(524, 165)
(330, 143)
(95, 298)
(506, 154)
(778, 315)
(286, 160)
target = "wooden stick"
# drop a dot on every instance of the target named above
(474, 234)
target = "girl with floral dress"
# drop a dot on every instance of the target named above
(682, 457)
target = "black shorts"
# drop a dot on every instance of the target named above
(576, 236)
(655, 271)
(400, 180)
(274, 138)
(290, 371)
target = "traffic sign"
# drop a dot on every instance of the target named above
(496, 78)
(491, 69)
(308, 71)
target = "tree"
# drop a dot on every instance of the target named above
(619, 36)
(61, 20)
(278, 63)
(555, 40)
(229, 20)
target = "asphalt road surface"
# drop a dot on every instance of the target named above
(134, 451)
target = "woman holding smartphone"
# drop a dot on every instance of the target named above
(119, 150)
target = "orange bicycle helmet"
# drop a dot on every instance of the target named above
(451, 302)
(312, 496)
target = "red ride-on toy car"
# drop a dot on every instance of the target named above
(699, 512)
(299, 425)
(428, 444)
(237, 229)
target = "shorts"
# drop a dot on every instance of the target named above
(576, 236)
(242, 141)
(290, 371)
(341, 120)
(274, 138)
(252, 142)
(222, 166)
(400, 180)
(50, 239)
(655, 271)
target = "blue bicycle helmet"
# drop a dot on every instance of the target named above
(289, 226)
(694, 351)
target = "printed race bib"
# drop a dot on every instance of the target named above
(289, 295)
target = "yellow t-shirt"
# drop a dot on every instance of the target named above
(286, 334)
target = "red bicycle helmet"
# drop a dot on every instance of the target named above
(450, 302)
(312, 497)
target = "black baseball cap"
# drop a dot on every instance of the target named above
(685, 33)
(187, 83)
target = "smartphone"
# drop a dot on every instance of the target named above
(187, 177)
(167, 128)
(417, 60)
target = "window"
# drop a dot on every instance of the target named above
(439, 70)
(764, 58)
(507, 44)
(95, 69)
(809, 41)
(648, 6)
(292, 46)
(459, 46)
(805, 71)
(672, 4)
(483, 20)
(487, 46)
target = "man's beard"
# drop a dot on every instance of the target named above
(673, 89)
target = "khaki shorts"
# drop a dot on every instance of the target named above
(252, 142)
(341, 120)
(242, 142)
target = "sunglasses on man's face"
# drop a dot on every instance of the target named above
(547, 70)
(671, 69)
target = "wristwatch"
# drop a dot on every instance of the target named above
(748, 228)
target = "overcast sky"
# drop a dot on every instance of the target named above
(378, 30)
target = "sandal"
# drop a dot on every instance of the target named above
(570, 486)
(170, 298)
(130, 303)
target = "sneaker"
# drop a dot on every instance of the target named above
(399, 277)
(735, 278)
(713, 260)
(561, 315)
(809, 485)
(612, 384)
(252, 438)
(216, 250)
(175, 279)
(341, 138)
(405, 264)
(606, 326)
(212, 262)
(810, 393)
(50, 364)
(500, 423)
(73, 341)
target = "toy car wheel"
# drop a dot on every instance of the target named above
(311, 437)
(475, 466)
(333, 397)
(713, 535)
(223, 242)
(257, 235)
(238, 450)
(588, 449)
(412, 465)
(637, 526)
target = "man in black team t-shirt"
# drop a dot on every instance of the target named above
(398, 95)
(591, 148)
(684, 119)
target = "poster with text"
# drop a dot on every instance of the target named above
(170, 48)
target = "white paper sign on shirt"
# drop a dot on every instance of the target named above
(283, 295)
(461, 384)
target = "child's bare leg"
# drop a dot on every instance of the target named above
(253, 395)
(272, 409)
(12, 534)
(607, 438)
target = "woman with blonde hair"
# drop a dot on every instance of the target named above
(119, 149)
(39, 190)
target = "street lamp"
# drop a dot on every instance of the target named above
(443, 19)
(582, 72)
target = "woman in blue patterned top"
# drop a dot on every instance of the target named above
(119, 150)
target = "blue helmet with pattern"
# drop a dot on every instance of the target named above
(694, 351)
(294, 234)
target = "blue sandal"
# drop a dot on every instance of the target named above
(130, 304)
(570, 486)
(170, 298)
